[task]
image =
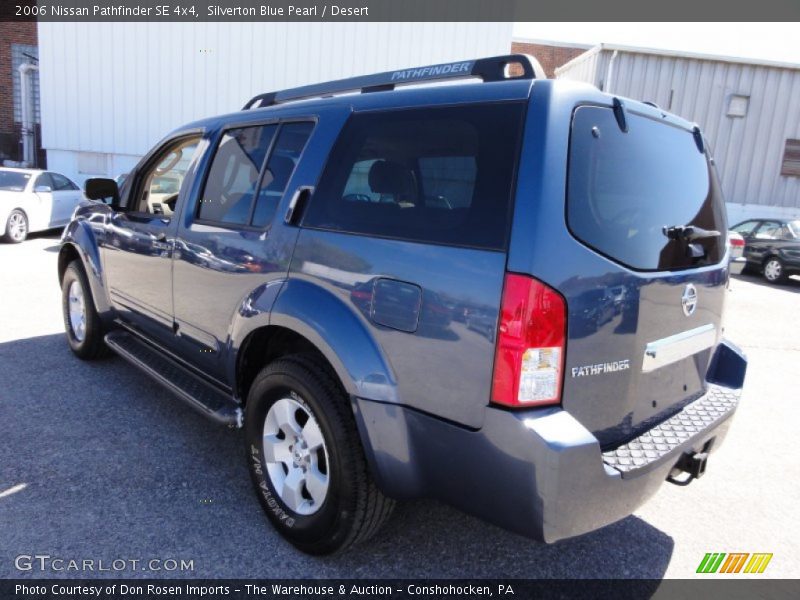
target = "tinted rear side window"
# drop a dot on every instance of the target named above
(624, 188)
(284, 158)
(45, 179)
(61, 183)
(233, 177)
(438, 175)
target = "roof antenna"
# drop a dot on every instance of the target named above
(619, 114)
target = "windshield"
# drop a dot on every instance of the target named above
(165, 185)
(794, 227)
(13, 181)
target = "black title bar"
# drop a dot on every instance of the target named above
(397, 10)
(393, 589)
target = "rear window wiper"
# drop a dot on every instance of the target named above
(689, 233)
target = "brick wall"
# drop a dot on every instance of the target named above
(549, 55)
(11, 33)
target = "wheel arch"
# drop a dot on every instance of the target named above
(78, 243)
(23, 211)
(770, 255)
(322, 315)
(265, 345)
(66, 255)
(308, 318)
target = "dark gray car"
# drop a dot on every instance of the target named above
(772, 247)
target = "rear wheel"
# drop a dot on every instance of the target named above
(82, 323)
(306, 459)
(16, 227)
(774, 271)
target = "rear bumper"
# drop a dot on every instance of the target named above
(539, 473)
(590, 495)
(737, 265)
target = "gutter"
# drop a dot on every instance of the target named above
(27, 113)
(610, 73)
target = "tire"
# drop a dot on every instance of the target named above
(85, 337)
(774, 271)
(293, 394)
(16, 227)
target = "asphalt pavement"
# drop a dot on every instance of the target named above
(98, 463)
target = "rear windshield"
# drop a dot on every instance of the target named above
(625, 188)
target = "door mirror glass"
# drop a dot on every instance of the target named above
(42, 189)
(105, 190)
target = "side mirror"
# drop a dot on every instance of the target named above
(105, 190)
(42, 189)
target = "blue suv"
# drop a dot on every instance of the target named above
(504, 294)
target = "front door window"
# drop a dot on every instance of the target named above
(162, 181)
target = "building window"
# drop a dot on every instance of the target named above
(92, 163)
(22, 53)
(737, 105)
(791, 159)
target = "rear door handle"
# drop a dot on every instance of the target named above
(297, 204)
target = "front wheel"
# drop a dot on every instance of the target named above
(306, 459)
(16, 227)
(82, 324)
(774, 271)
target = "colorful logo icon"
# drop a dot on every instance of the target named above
(734, 562)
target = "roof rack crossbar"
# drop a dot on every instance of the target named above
(487, 69)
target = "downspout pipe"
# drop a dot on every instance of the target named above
(610, 73)
(27, 114)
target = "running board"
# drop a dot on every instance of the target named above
(197, 393)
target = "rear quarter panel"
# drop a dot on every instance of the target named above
(613, 311)
(789, 251)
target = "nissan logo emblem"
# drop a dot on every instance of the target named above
(689, 300)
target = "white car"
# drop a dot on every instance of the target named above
(34, 200)
(738, 261)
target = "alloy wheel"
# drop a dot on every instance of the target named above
(17, 227)
(296, 456)
(77, 311)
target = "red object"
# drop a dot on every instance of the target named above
(737, 241)
(532, 315)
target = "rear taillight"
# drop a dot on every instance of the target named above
(736, 242)
(529, 363)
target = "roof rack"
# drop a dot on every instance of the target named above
(486, 69)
